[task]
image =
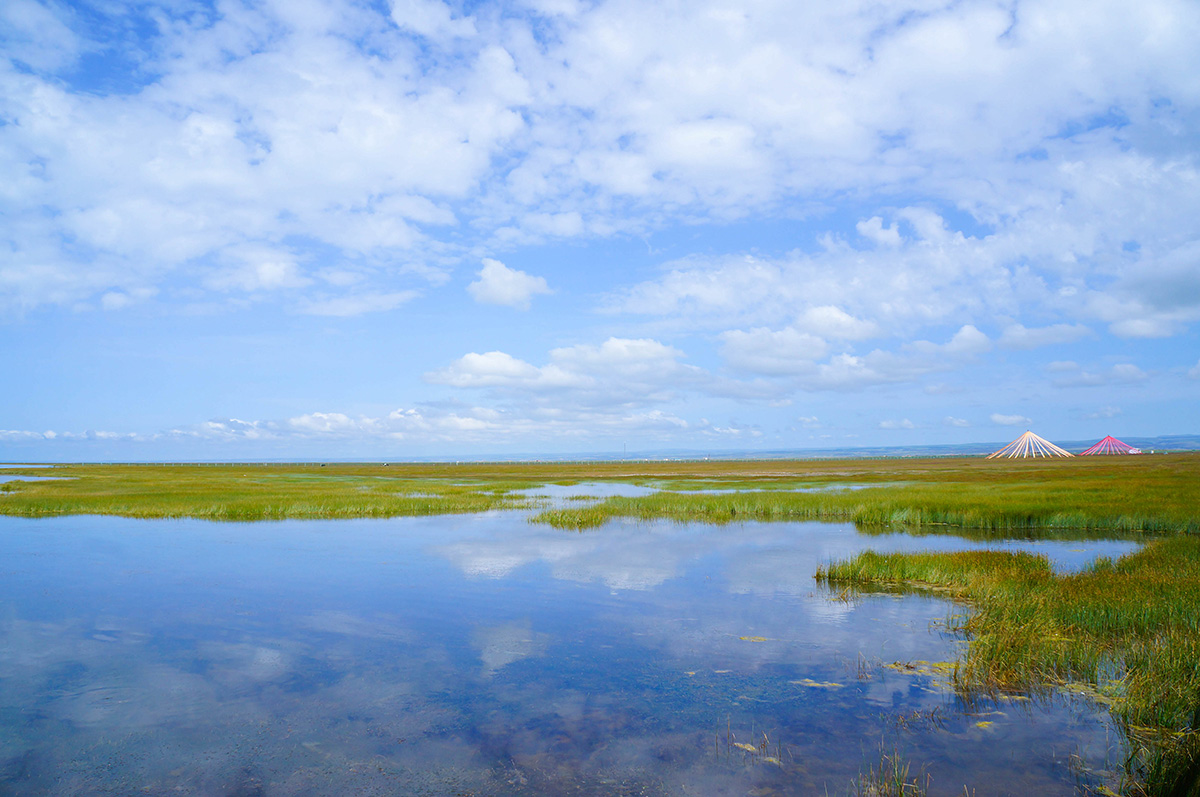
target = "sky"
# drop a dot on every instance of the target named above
(412, 228)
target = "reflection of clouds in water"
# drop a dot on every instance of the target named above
(831, 612)
(501, 645)
(244, 664)
(340, 622)
(758, 558)
(626, 556)
(756, 563)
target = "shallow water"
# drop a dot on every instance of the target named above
(482, 654)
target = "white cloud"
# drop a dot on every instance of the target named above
(1017, 336)
(619, 373)
(357, 303)
(873, 229)
(1103, 412)
(1009, 420)
(959, 423)
(835, 323)
(33, 35)
(430, 18)
(903, 423)
(1194, 371)
(786, 351)
(258, 268)
(491, 369)
(913, 361)
(499, 284)
(323, 422)
(339, 159)
(1122, 373)
(333, 128)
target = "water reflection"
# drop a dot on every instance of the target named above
(482, 654)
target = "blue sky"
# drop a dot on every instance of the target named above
(420, 228)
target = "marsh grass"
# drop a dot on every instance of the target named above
(890, 777)
(1155, 496)
(1105, 494)
(258, 492)
(1125, 633)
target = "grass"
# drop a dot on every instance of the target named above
(1126, 632)
(1114, 494)
(889, 778)
(255, 492)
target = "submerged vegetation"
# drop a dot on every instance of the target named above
(1127, 633)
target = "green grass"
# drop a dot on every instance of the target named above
(1127, 632)
(254, 492)
(889, 778)
(1114, 494)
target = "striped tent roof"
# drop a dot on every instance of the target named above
(1030, 445)
(1110, 445)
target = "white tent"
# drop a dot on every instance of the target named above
(1030, 445)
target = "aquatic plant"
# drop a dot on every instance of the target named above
(1125, 633)
(890, 777)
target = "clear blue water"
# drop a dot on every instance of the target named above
(485, 655)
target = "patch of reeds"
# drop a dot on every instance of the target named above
(1125, 632)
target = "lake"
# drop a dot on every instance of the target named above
(482, 654)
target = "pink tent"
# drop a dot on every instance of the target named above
(1110, 445)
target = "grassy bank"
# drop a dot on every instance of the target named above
(253, 492)
(1128, 631)
(1126, 494)
(1148, 493)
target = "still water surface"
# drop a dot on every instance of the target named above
(482, 654)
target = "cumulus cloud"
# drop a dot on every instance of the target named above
(959, 423)
(499, 284)
(798, 356)
(430, 18)
(365, 130)
(765, 351)
(343, 159)
(903, 423)
(1017, 336)
(620, 372)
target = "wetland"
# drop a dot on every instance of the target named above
(601, 628)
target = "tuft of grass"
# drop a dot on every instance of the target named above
(1126, 633)
(890, 777)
